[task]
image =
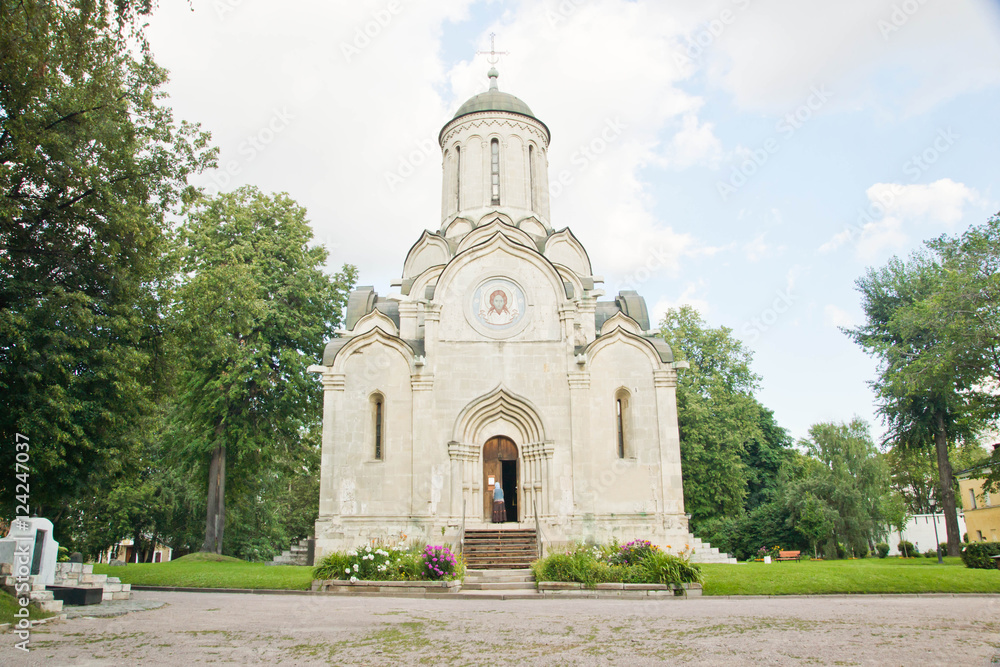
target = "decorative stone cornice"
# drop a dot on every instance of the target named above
(665, 378)
(460, 451)
(333, 381)
(422, 382)
(579, 380)
(538, 450)
(497, 119)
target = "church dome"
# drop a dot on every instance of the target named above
(494, 100)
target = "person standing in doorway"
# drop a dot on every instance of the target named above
(499, 510)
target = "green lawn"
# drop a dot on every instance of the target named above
(204, 571)
(869, 575)
(9, 606)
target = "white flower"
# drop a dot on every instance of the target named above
(352, 552)
(347, 570)
(353, 579)
(356, 567)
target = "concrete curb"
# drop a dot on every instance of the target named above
(533, 595)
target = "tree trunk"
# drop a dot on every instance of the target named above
(947, 488)
(215, 517)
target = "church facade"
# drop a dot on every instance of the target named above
(499, 361)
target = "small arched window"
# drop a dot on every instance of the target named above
(531, 178)
(495, 169)
(378, 425)
(458, 178)
(622, 425)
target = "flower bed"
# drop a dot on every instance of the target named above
(637, 562)
(389, 563)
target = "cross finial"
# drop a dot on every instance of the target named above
(493, 56)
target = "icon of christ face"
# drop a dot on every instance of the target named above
(499, 303)
(498, 310)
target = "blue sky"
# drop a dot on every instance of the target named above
(860, 128)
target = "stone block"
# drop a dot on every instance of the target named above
(51, 605)
(126, 587)
(646, 587)
(124, 595)
(88, 568)
(6, 568)
(112, 588)
(559, 586)
(611, 586)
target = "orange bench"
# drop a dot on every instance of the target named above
(789, 555)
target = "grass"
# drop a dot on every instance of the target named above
(869, 575)
(201, 570)
(9, 605)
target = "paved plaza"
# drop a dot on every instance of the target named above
(309, 629)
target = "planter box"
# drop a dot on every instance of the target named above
(389, 588)
(77, 596)
(612, 590)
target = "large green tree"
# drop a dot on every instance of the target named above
(91, 165)
(731, 446)
(924, 395)
(253, 312)
(850, 478)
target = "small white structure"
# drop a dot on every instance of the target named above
(30, 549)
(920, 531)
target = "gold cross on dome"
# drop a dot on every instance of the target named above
(493, 56)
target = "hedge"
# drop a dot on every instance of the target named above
(977, 554)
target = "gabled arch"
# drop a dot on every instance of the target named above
(564, 248)
(375, 336)
(619, 336)
(375, 319)
(500, 403)
(497, 241)
(622, 320)
(458, 227)
(489, 229)
(532, 225)
(429, 250)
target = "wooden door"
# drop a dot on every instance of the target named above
(496, 450)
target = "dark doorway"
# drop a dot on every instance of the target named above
(508, 483)
(36, 560)
(500, 464)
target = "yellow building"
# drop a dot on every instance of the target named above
(982, 509)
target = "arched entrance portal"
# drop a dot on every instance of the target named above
(500, 465)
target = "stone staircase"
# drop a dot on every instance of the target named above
(297, 554)
(706, 553)
(498, 580)
(43, 599)
(80, 575)
(500, 549)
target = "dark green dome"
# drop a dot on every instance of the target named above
(494, 100)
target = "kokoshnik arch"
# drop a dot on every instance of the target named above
(498, 360)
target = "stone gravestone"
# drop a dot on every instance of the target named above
(29, 545)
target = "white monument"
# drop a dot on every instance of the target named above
(499, 362)
(30, 549)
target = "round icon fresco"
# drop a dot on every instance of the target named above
(498, 304)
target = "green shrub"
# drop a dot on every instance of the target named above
(664, 568)
(641, 563)
(907, 550)
(883, 549)
(930, 553)
(977, 554)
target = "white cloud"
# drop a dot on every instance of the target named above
(773, 51)
(837, 317)
(758, 248)
(694, 144)
(691, 296)
(922, 207)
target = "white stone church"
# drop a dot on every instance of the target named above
(499, 362)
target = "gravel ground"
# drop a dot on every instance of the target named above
(307, 630)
